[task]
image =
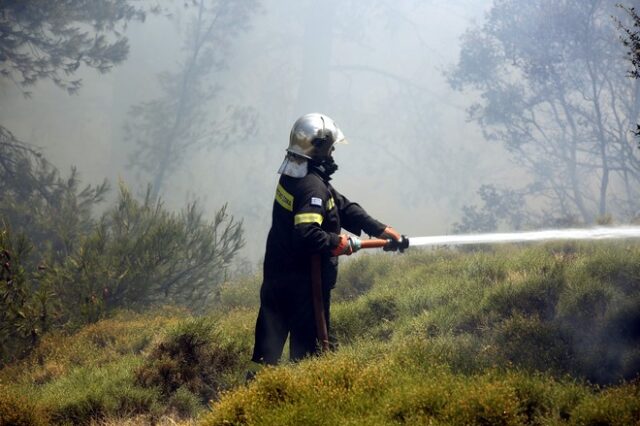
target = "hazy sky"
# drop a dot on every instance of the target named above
(375, 67)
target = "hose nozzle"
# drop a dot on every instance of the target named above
(393, 245)
(387, 244)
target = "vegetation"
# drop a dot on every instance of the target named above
(532, 335)
(128, 315)
(50, 41)
(64, 266)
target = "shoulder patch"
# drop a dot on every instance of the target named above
(315, 201)
(284, 198)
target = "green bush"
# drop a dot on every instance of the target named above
(23, 304)
(193, 357)
(608, 349)
(65, 267)
(357, 276)
(492, 403)
(533, 344)
(185, 403)
(90, 375)
(485, 269)
(19, 410)
(137, 256)
(617, 406)
(419, 404)
(537, 295)
(584, 302)
(141, 254)
(371, 316)
(623, 322)
(463, 353)
(601, 317)
(89, 393)
(616, 266)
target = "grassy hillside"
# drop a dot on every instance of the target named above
(544, 334)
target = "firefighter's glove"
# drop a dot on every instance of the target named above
(391, 234)
(348, 245)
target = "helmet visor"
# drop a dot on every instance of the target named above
(339, 138)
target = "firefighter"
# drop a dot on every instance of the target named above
(307, 218)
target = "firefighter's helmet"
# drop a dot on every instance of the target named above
(313, 136)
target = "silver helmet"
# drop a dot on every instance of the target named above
(313, 135)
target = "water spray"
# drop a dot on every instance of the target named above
(601, 233)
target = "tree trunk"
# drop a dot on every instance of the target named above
(169, 141)
(573, 160)
(602, 144)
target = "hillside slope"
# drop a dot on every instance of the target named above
(546, 334)
(506, 336)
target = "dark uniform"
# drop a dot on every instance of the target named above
(308, 214)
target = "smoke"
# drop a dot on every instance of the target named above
(413, 160)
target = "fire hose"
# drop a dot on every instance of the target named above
(318, 303)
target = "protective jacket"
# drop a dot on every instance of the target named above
(308, 214)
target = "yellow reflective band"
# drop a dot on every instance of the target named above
(284, 198)
(308, 218)
(330, 204)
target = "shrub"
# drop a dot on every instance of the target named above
(90, 393)
(19, 410)
(185, 403)
(608, 349)
(193, 357)
(485, 269)
(20, 314)
(418, 403)
(616, 406)
(464, 353)
(141, 254)
(484, 402)
(533, 344)
(357, 276)
(623, 320)
(71, 268)
(53, 211)
(400, 384)
(366, 316)
(616, 265)
(95, 345)
(537, 295)
(584, 302)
